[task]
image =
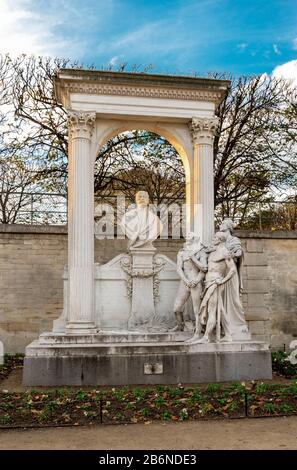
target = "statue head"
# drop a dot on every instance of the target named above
(220, 237)
(192, 240)
(227, 224)
(142, 198)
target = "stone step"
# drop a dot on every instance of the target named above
(68, 348)
(114, 337)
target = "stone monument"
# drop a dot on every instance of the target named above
(135, 340)
(122, 322)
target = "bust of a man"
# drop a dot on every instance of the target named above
(141, 225)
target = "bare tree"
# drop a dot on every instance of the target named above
(254, 151)
(143, 160)
(40, 116)
(16, 180)
(251, 157)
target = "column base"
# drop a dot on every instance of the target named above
(81, 328)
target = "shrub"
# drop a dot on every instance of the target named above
(281, 365)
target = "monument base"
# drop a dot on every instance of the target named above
(136, 358)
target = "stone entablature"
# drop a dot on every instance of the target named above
(140, 85)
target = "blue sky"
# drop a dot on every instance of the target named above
(178, 36)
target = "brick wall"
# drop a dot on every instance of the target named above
(31, 267)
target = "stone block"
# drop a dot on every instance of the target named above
(266, 338)
(257, 286)
(257, 313)
(257, 272)
(254, 245)
(256, 300)
(259, 327)
(255, 259)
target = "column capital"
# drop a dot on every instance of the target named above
(81, 124)
(203, 130)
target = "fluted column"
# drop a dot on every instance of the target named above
(203, 131)
(80, 224)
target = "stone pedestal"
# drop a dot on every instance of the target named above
(142, 303)
(141, 358)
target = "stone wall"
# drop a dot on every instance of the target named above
(31, 267)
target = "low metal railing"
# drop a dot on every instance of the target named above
(40, 208)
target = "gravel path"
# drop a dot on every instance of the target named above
(260, 433)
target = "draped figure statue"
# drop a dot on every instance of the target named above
(234, 287)
(213, 313)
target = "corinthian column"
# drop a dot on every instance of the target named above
(203, 131)
(80, 224)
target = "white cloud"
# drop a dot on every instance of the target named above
(276, 49)
(156, 37)
(242, 46)
(115, 60)
(287, 70)
(23, 30)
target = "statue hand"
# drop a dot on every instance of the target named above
(191, 284)
(219, 282)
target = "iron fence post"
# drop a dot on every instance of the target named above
(32, 209)
(260, 217)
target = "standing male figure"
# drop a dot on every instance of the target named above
(221, 268)
(191, 267)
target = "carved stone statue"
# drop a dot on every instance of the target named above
(141, 225)
(221, 268)
(191, 267)
(234, 286)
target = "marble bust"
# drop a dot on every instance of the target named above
(140, 224)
